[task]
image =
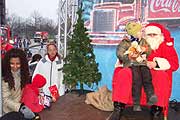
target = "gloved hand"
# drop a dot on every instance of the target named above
(28, 114)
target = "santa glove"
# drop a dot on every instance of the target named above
(28, 114)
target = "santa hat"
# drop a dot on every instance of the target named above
(157, 28)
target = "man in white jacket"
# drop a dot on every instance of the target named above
(51, 68)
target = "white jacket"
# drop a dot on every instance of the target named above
(52, 71)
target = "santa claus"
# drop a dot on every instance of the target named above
(162, 61)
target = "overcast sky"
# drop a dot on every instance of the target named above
(24, 8)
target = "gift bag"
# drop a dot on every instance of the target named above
(54, 92)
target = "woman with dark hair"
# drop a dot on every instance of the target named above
(16, 76)
(51, 68)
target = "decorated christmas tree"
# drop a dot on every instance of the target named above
(80, 66)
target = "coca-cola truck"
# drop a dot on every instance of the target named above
(41, 36)
(108, 19)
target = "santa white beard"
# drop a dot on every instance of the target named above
(155, 41)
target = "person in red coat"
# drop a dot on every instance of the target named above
(30, 96)
(162, 61)
(5, 47)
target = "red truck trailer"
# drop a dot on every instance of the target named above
(41, 35)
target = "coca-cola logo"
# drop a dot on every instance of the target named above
(164, 5)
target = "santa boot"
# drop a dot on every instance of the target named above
(156, 112)
(117, 113)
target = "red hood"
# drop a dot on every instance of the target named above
(38, 81)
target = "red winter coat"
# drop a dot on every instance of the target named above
(31, 93)
(4, 50)
(167, 59)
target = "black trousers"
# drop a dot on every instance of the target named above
(141, 76)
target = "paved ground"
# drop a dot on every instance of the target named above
(72, 107)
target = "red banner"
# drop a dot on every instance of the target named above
(163, 9)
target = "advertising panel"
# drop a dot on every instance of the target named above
(163, 9)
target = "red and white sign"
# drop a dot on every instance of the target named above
(164, 9)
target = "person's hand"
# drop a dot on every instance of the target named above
(54, 99)
(144, 56)
(41, 100)
(133, 55)
(151, 64)
(28, 114)
(144, 48)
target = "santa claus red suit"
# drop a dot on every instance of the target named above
(163, 61)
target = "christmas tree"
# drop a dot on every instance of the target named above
(80, 66)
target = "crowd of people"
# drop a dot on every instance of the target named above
(145, 75)
(21, 43)
(25, 84)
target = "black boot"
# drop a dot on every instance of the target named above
(117, 113)
(156, 113)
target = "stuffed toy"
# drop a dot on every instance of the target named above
(136, 52)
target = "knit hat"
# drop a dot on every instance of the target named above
(156, 28)
(133, 28)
